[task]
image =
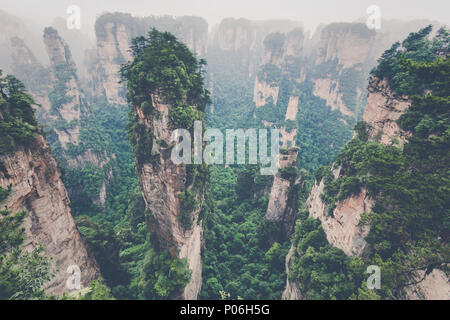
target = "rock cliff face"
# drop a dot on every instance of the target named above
(383, 110)
(282, 207)
(161, 183)
(69, 110)
(343, 56)
(263, 91)
(114, 34)
(62, 105)
(436, 286)
(242, 41)
(292, 291)
(233, 35)
(78, 40)
(348, 43)
(69, 104)
(37, 188)
(341, 228)
(282, 53)
(328, 89)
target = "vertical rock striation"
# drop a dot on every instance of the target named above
(61, 103)
(162, 181)
(38, 189)
(282, 207)
(342, 226)
(343, 57)
(114, 35)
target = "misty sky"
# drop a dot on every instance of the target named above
(311, 12)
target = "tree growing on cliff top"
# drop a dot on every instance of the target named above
(162, 65)
(18, 125)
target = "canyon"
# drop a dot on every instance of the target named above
(38, 189)
(285, 67)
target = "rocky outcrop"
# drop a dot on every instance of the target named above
(383, 110)
(343, 56)
(433, 286)
(328, 89)
(37, 188)
(114, 35)
(282, 48)
(234, 35)
(263, 91)
(68, 103)
(342, 227)
(282, 53)
(69, 109)
(112, 48)
(292, 109)
(61, 103)
(348, 43)
(292, 291)
(282, 207)
(78, 40)
(242, 41)
(162, 181)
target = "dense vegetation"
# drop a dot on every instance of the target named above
(244, 255)
(22, 273)
(409, 221)
(323, 271)
(18, 125)
(173, 73)
(241, 258)
(393, 64)
(165, 68)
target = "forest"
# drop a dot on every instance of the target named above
(143, 220)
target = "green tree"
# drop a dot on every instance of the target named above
(22, 273)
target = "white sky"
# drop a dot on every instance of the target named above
(311, 12)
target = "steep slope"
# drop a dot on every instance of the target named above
(302, 82)
(367, 202)
(67, 102)
(114, 34)
(65, 112)
(93, 152)
(239, 42)
(244, 231)
(29, 170)
(344, 55)
(10, 27)
(173, 193)
(283, 198)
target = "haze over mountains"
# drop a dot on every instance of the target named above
(103, 194)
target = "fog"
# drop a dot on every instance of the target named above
(42, 13)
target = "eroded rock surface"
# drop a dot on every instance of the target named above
(38, 189)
